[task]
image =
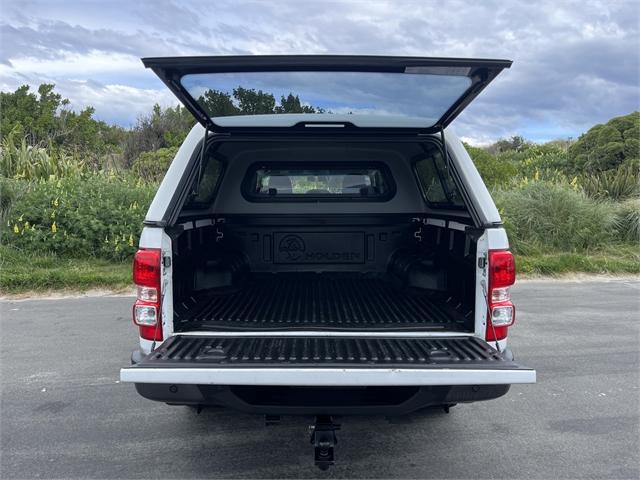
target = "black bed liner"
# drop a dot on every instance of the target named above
(285, 302)
(269, 351)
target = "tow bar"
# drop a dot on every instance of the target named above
(323, 438)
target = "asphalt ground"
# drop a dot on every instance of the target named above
(63, 413)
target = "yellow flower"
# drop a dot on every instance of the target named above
(21, 217)
(574, 183)
(53, 214)
(26, 225)
(131, 240)
(16, 229)
(54, 227)
(55, 202)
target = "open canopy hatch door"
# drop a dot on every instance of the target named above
(283, 91)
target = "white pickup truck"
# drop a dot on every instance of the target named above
(335, 253)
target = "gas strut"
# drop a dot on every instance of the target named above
(323, 438)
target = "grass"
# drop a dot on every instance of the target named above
(621, 260)
(20, 273)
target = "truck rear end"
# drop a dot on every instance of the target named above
(324, 265)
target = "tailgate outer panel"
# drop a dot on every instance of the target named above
(326, 361)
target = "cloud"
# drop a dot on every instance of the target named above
(576, 63)
(114, 103)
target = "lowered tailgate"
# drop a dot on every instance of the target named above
(326, 361)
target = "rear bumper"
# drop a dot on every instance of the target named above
(338, 390)
(327, 377)
(275, 400)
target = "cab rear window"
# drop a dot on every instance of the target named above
(317, 183)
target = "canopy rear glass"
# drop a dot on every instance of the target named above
(408, 99)
(290, 90)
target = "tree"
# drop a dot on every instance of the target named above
(47, 119)
(218, 104)
(249, 101)
(163, 128)
(291, 104)
(515, 144)
(153, 165)
(606, 147)
(254, 102)
(34, 114)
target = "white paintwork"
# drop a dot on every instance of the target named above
(175, 172)
(332, 377)
(481, 307)
(151, 237)
(167, 288)
(497, 239)
(474, 185)
(145, 345)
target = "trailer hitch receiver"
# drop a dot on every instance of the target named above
(323, 438)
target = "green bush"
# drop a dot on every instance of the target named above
(549, 157)
(617, 184)
(628, 220)
(93, 215)
(548, 216)
(162, 128)
(493, 171)
(605, 147)
(152, 165)
(7, 197)
(18, 159)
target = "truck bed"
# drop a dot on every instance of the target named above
(321, 302)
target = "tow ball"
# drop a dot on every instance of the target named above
(323, 439)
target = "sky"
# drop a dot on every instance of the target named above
(575, 63)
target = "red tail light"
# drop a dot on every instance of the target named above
(502, 313)
(146, 275)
